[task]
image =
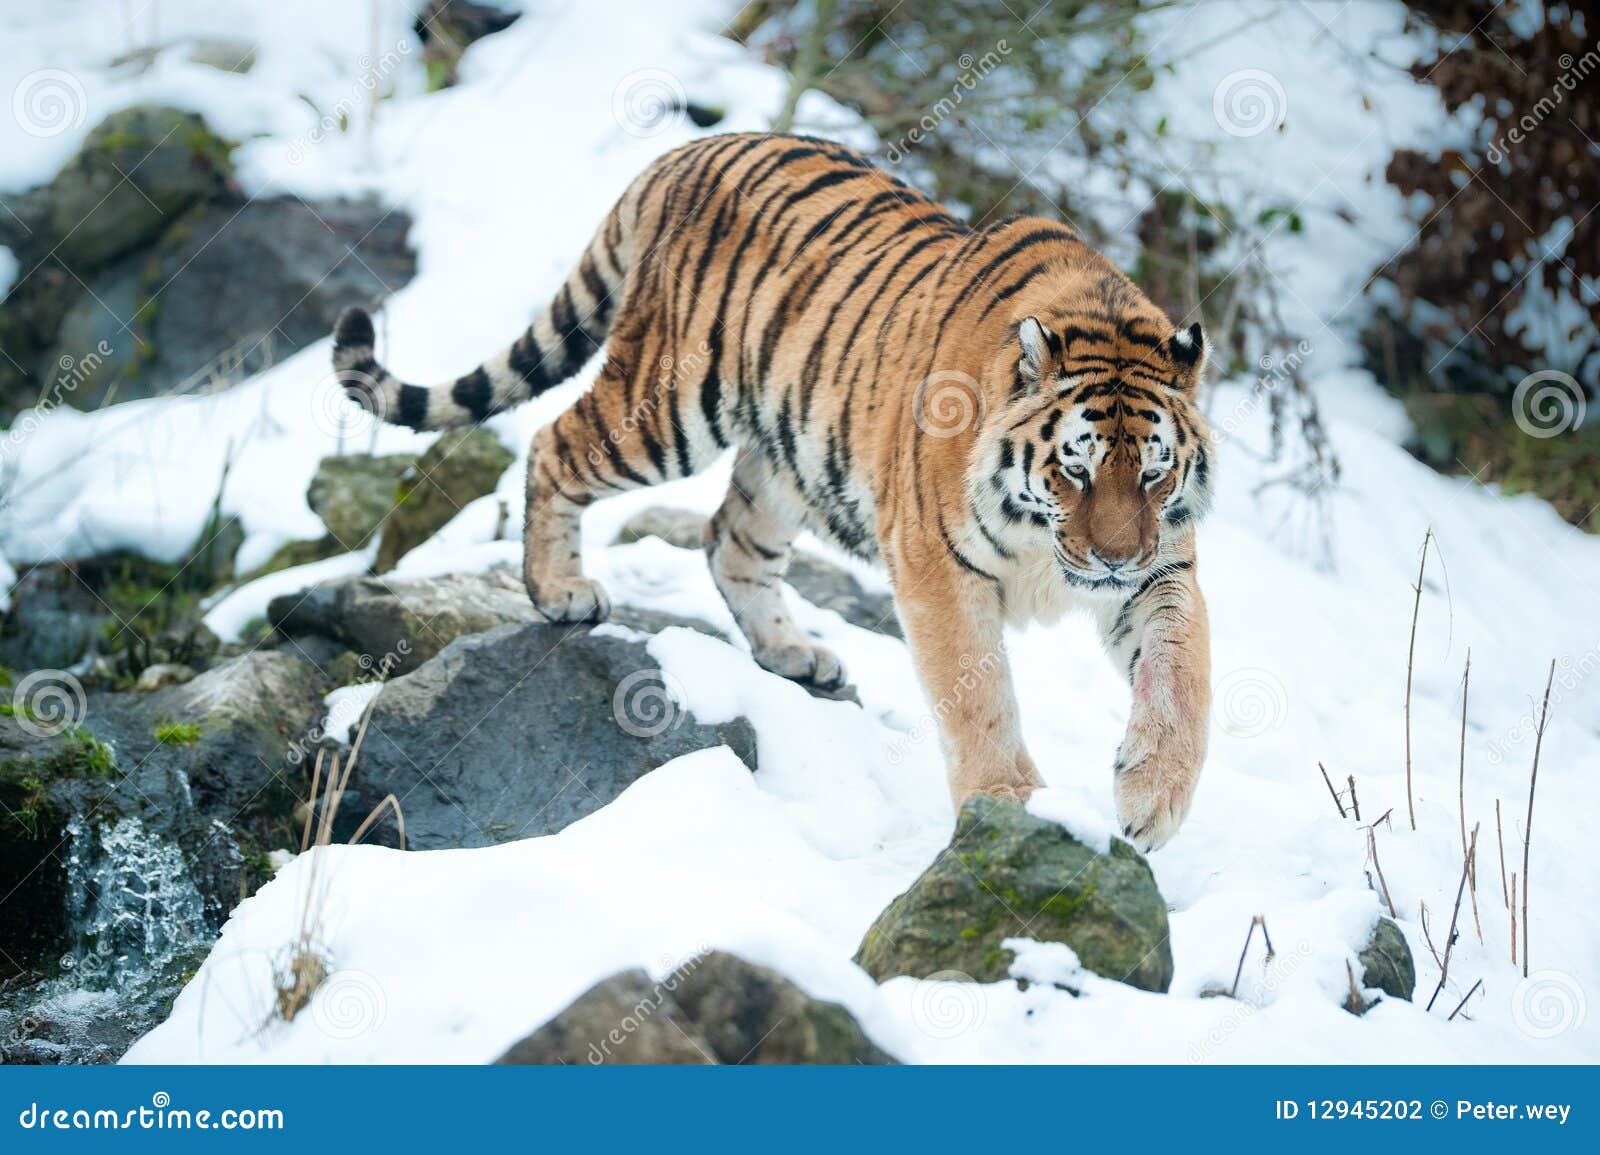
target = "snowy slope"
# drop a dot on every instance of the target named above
(452, 955)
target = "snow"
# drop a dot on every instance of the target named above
(450, 956)
(345, 707)
(238, 608)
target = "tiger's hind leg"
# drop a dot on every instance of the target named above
(748, 543)
(607, 443)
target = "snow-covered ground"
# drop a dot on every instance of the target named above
(452, 955)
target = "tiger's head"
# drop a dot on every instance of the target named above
(1099, 445)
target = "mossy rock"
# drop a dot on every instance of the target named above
(136, 173)
(715, 1008)
(1007, 874)
(1386, 962)
(1476, 432)
(460, 467)
(354, 493)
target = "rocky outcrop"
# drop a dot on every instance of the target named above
(229, 288)
(397, 624)
(137, 172)
(820, 582)
(526, 728)
(460, 467)
(1007, 874)
(147, 268)
(716, 1008)
(354, 493)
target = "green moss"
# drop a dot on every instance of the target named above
(84, 756)
(969, 933)
(178, 733)
(1456, 432)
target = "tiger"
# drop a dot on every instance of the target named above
(997, 415)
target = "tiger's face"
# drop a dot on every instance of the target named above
(1102, 447)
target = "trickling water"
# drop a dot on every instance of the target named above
(139, 924)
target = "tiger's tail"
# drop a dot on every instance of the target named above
(557, 344)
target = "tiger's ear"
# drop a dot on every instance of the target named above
(1187, 348)
(1039, 345)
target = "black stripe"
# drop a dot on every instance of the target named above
(473, 393)
(527, 362)
(413, 406)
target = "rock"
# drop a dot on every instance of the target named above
(1386, 965)
(524, 729)
(820, 582)
(447, 27)
(457, 469)
(120, 611)
(53, 622)
(678, 527)
(716, 1008)
(1008, 874)
(625, 1019)
(236, 56)
(354, 493)
(260, 280)
(399, 623)
(751, 1014)
(253, 713)
(136, 173)
(163, 674)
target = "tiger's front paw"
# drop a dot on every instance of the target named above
(1013, 781)
(1153, 792)
(575, 599)
(817, 665)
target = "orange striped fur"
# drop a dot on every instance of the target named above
(997, 414)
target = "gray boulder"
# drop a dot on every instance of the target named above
(354, 493)
(521, 730)
(751, 1014)
(137, 172)
(1007, 874)
(627, 1019)
(457, 469)
(716, 1008)
(397, 624)
(259, 280)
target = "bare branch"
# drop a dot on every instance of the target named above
(1527, 830)
(1331, 790)
(1411, 655)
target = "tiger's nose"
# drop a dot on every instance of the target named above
(1112, 564)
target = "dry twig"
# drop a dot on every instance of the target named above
(1258, 920)
(1463, 1001)
(1455, 916)
(1527, 830)
(1372, 852)
(1331, 790)
(1411, 654)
